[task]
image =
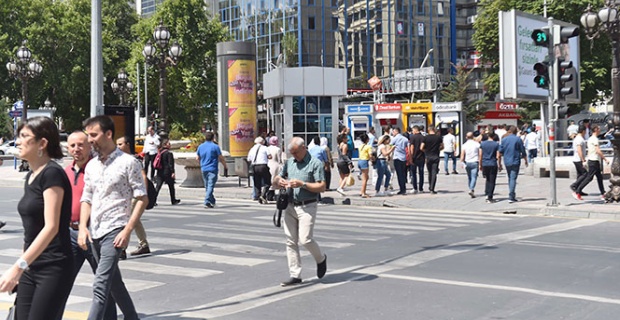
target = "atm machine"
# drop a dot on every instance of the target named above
(358, 118)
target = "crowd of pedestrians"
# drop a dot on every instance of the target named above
(84, 212)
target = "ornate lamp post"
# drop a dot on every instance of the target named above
(606, 20)
(24, 68)
(121, 86)
(161, 35)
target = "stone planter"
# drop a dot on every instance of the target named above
(193, 178)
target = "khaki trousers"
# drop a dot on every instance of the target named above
(298, 227)
(139, 229)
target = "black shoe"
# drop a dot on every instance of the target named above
(433, 192)
(447, 173)
(290, 282)
(583, 193)
(321, 268)
(2, 224)
(454, 172)
(176, 201)
(208, 205)
(471, 194)
(141, 250)
(123, 255)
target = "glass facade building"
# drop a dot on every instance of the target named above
(365, 37)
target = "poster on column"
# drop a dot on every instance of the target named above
(241, 106)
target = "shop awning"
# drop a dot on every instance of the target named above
(388, 115)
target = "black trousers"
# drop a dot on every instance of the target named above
(159, 182)
(43, 291)
(582, 173)
(490, 172)
(594, 169)
(328, 178)
(432, 166)
(262, 180)
(148, 164)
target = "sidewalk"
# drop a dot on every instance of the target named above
(533, 195)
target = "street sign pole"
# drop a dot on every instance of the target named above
(552, 117)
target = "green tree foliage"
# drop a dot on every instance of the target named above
(289, 44)
(594, 67)
(192, 84)
(457, 90)
(58, 34)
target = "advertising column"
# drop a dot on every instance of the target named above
(237, 119)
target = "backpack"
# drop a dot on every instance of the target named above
(157, 162)
(151, 192)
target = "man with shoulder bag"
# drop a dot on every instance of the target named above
(304, 178)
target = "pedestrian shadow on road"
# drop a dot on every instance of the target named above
(531, 199)
(169, 252)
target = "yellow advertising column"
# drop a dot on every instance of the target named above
(417, 114)
(243, 127)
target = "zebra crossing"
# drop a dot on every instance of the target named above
(190, 243)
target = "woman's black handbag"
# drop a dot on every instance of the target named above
(281, 204)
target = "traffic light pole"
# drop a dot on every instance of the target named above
(553, 89)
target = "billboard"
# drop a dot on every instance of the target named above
(518, 54)
(242, 121)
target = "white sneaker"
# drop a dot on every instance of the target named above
(414, 191)
(341, 191)
(380, 194)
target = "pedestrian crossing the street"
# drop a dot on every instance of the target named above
(189, 242)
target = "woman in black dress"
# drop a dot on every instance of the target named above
(44, 270)
(165, 172)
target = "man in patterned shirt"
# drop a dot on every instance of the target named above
(110, 182)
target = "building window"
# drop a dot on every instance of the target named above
(311, 23)
(310, 2)
(440, 30)
(440, 8)
(334, 24)
(420, 7)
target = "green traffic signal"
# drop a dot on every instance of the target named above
(540, 37)
(542, 74)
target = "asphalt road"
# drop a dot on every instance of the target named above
(383, 263)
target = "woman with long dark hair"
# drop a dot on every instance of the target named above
(45, 268)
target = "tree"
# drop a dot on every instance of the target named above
(289, 44)
(192, 84)
(594, 70)
(457, 90)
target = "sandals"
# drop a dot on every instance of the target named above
(365, 196)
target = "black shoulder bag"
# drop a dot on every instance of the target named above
(281, 204)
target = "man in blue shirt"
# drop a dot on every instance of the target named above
(513, 150)
(400, 159)
(489, 161)
(209, 154)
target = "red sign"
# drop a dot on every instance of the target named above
(494, 114)
(384, 107)
(503, 106)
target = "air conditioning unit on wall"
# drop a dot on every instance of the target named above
(471, 19)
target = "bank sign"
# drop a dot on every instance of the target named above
(518, 55)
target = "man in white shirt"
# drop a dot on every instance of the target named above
(151, 143)
(579, 158)
(531, 144)
(449, 148)
(111, 181)
(573, 130)
(470, 157)
(594, 157)
(258, 157)
(501, 132)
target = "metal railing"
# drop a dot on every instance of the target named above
(565, 147)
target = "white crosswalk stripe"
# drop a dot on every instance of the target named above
(190, 242)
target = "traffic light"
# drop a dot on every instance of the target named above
(564, 75)
(563, 70)
(562, 111)
(542, 74)
(541, 37)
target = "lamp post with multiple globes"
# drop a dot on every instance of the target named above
(24, 68)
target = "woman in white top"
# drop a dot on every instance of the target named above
(258, 157)
(384, 152)
(276, 161)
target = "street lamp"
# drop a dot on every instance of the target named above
(607, 21)
(121, 86)
(23, 69)
(165, 58)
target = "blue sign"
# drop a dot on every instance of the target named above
(359, 109)
(19, 105)
(15, 113)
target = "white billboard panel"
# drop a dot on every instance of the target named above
(518, 54)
